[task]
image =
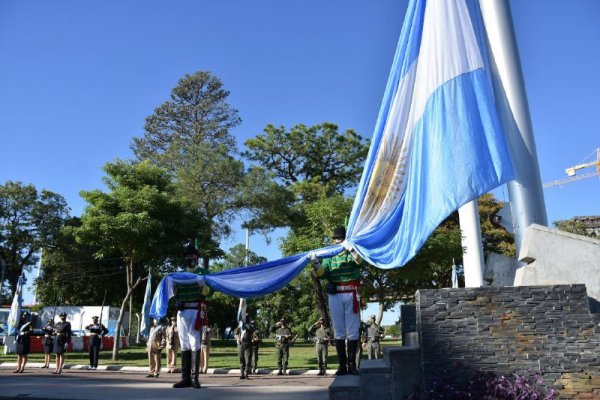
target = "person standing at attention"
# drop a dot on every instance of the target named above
(48, 342)
(172, 340)
(23, 341)
(97, 332)
(342, 272)
(62, 333)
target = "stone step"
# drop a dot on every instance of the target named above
(346, 387)
(375, 379)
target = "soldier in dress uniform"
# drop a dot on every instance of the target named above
(192, 319)
(374, 335)
(283, 337)
(97, 332)
(244, 333)
(48, 342)
(342, 272)
(62, 338)
(322, 337)
(23, 342)
(172, 345)
(256, 341)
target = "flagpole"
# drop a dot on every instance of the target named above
(471, 243)
(525, 192)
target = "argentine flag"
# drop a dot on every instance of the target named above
(14, 317)
(438, 142)
(145, 323)
(437, 145)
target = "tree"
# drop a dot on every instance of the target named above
(223, 311)
(572, 226)
(71, 275)
(140, 219)
(190, 137)
(294, 169)
(29, 221)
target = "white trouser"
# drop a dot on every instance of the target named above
(345, 321)
(189, 338)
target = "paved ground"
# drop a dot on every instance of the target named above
(38, 383)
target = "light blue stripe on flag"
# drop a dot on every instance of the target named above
(438, 143)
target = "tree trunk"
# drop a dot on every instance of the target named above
(379, 314)
(321, 303)
(130, 289)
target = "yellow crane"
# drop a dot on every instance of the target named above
(572, 171)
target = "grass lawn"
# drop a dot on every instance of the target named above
(223, 355)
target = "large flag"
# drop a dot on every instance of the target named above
(145, 323)
(438, 142)
(14, 317)
(437, 145)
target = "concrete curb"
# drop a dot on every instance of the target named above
(211, 371)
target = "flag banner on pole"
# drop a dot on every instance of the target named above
(145, 323)
(437, 145)
(438, 142)
(244, 282)
(14, 317)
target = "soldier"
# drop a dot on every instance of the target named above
(283, 337)
(343, 275)
(192, 319)
(362, 344)
(62, 334)
(205, 351)
(256, 341)
(97, 332)
(48, 342)
(172, 342)
(156, 342)
(322, 337)
(374, 334)
(23, 342)
(244, 333)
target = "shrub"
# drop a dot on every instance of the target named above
(487, 387)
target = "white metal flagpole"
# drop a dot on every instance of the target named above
(471, 242)
(526, 191)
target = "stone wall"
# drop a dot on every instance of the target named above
(511, 330)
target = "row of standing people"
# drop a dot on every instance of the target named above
(56, 340)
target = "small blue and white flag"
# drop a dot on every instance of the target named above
(438, 142)
(145, 323)
(14, 317)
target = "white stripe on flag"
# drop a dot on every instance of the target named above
(448, 49)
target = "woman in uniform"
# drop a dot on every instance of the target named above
(62, 333)
(48, 342)
(23, 342)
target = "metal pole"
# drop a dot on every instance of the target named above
(526, 191)
(2, 264)
(471, 241)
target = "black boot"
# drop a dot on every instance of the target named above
(340, 347)
(280, 372)
(196, 382)
(352, 347)
(186, 370)
(243, 375)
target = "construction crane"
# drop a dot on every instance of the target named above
(572, 171)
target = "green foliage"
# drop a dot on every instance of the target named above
(140, 219)
(572, 226)
(29, 221)
(189, 136)
(300, 165)
(393, 330)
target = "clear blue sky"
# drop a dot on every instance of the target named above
(77, 79)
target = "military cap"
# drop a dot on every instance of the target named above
(62, 314)
(339, 233)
